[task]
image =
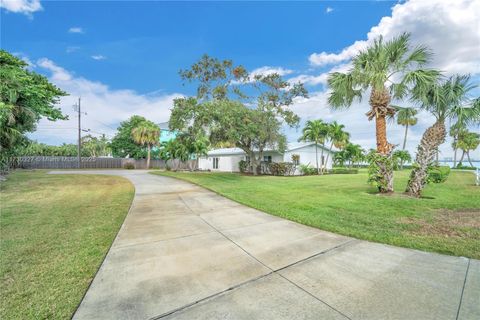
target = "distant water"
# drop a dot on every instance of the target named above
(476, 163)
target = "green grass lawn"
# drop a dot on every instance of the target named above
(446, 220)
(55, 232)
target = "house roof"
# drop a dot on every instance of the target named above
(237, 151)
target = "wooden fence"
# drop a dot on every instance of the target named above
(41, 162)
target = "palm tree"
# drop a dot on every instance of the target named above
(338, 137)
(446, 99)
(406, 117)
(315, 131)
(146, 133)
(388, 69)
(468, 141)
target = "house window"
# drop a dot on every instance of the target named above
(267, 158)
(296, 160)
(215, 163)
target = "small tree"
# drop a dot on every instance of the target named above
(146, 134)
(467, 141)
(338, 137)
(406, 117)
(400, 157)
(122, 144)
(316, 131)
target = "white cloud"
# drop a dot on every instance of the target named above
(269, 70)
(98, 57)
(448, 27)
(76, 30)
(21, 6)
(71, 49)
(321, 78)
(328, 9)
(105, 107)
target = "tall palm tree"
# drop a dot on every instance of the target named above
(338, 137)
(315, 131)
(387, 69)
(146, 133)
(445, 99)
(406, 117)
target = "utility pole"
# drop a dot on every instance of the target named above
(79, 147)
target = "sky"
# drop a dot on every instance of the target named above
(123, 57)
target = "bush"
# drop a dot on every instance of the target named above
(343, 171)
(129, 166)
(281, 168)
(243, 166)
(379, 170)
(438, 174)
(461, 166)
(305, 169)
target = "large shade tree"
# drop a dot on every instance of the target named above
(445, 99)
(234, 107)
(147, 134)
(316, 131)
(386, 69)
(25, 97)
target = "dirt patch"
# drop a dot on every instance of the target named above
(447, 223)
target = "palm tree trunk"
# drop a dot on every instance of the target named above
(148, 156)
(328, 154)
(383, 148)
(316, 158)
(468, 157)
(455, 151)
(405, 137)
(431, 140)
(461, 159)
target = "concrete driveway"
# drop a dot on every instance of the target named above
(184, 252)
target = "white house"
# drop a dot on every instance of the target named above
(227, 159)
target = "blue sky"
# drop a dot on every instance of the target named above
(146, 43)
(123, 57)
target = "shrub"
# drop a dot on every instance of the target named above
(305, 169)
(243, 166)
(463, 167)
(281, 168)
(438, 174)
(343, 171)
(379, 170)
(129, 166)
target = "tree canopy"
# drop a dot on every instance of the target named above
(235, 107)
(25, 97)
(123, 144)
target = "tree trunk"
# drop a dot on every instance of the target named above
(461, 159)
(379, 101)
(321, 162)
(468, 157)
(316, 157)
(148, 156)
(405, 137)
(455, 151)
(328, 155)
(431, 140)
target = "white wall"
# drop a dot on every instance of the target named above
(227, 163)
(307, 156)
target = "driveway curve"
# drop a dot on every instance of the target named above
(184, 252)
